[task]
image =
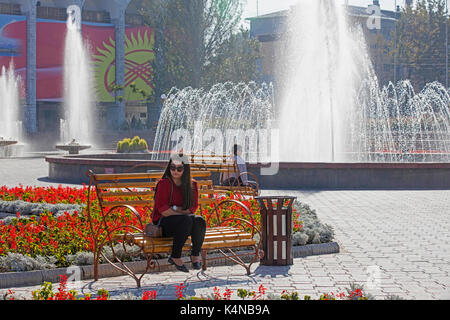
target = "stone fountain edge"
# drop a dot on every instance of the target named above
(287, 175)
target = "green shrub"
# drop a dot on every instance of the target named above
(143, 144)
(125, 145)
(131, 145)
(135, 139)
(119, 147)
(134, 145)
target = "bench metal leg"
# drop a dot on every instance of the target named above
(96, 262)
(204, 253)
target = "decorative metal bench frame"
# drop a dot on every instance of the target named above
(122, 186)
(225, 163)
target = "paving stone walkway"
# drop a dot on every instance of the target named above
(392, 242)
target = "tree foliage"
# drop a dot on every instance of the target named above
(236, 60)
(419, 43)
(199, 42)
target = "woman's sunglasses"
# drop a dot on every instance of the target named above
(178, 168)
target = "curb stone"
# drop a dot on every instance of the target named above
(38, 277)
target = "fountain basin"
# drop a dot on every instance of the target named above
(290, 175)
(11, 148)
(73, 149)
(4, 143)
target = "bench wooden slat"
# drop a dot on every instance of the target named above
(158, 242)
(205, 201)
(223, 165)
(213, 162)
(121, 185)
(204, 154)
(213, 231)
(220, 170)
(238, 189)
(207, 191)
(163, 248)
(143, 175)
(210, 155)
(151, 194)
(129, 176)
(228, 244)
(234, 236)
(126, 193)
(200, 174)
(142, 202)
(218, 159)
(149, 201)
(207, 166)
(209, 245)
(128, 202)
(212, 235)
(204, 183)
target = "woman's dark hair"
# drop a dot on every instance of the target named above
(186, 181)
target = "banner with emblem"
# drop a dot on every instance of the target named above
(100, 40)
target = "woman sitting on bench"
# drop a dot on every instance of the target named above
(176, 201)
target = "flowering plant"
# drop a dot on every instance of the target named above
(46, 293)
(47, 235)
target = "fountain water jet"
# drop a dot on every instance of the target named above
(78, 94)
(10, 125)
(212, 120)
(333, 109)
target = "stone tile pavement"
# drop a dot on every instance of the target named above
(31, 171)
(393, 242)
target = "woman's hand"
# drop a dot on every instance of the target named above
(183, 211)
(171, 212)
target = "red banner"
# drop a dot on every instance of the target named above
(99, 39)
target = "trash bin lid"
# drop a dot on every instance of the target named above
(262, 199)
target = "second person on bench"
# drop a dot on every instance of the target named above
(176, 201)
(230, 178)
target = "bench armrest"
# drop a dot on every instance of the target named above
(131, 208)
(255, 182)
(250, 221)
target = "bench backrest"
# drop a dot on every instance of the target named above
(117, 188)
(214, 163)
(223, 163)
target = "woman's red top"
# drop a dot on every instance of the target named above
(162, 196)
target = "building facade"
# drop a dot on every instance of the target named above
(32, 37)
(270, 30)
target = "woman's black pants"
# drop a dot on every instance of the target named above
(180, 228)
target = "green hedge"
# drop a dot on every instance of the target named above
(132, 145)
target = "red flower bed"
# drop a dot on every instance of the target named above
(68, 234)
(53, 195)
(46, 293)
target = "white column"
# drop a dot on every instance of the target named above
(117, 13)
(28, 7)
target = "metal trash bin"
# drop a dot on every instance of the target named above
(276, 229)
